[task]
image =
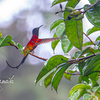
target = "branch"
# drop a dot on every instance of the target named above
(38, 57)
(29, 53)
(90, 7)
(73, 73)
(84, 58)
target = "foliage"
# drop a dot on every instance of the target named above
(87, 60)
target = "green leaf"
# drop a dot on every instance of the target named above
(58, 1)
(20, 47)
(5, 40)
(51, 64)
(79, 86)
(93, 78)
(66, 45)
(74, 95)
(87, 97)
(92, 66)
(55, 24)
(68, 76)
(1, 39)
(93, 29)
(81, 93)
(87, 50)
(74, 32)
(60, 29)
(92, 1)
(87, 43)
(98, 38)
(81, 66)
(58, 75)
(48, 79)
(93, 14)
(0, 34)
(54, 43)
(74, 29)
(77, 54)
(72, 3)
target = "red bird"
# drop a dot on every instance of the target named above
(32, 44)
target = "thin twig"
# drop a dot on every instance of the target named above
(38, 57)
(73, 73)
(83, 58)
(88, 38)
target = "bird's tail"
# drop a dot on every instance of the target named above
(19, 64)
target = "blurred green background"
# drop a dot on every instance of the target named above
(18, 18)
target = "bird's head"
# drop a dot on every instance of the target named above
(35, 31)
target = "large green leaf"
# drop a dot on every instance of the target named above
(58, 1)
(74, 32)
(93, 65)
(66, 45)
(93, 29)
(51, 64)
(58, 75)
(93, 14)
(74, 29)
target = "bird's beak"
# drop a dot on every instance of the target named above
(40, 26)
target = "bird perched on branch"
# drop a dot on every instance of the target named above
(32, 44)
